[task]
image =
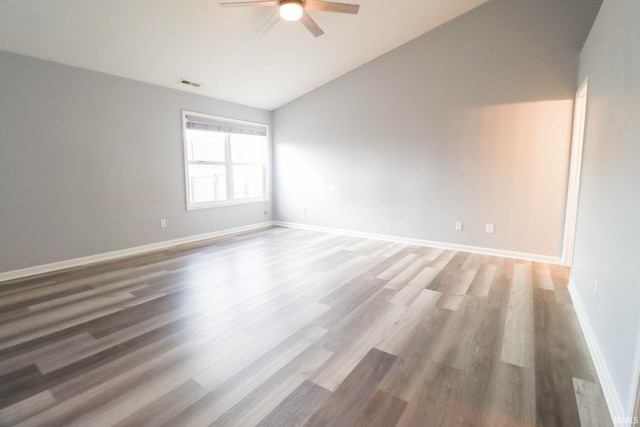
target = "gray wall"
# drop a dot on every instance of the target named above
(608, 235)
(470, 122)
(90, 163)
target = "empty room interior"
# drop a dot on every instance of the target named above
(311, 213)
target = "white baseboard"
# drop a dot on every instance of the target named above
(76, 262)
(634, 385)
(418, 242)
(610, 394)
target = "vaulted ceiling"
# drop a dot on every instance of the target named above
(162, 41)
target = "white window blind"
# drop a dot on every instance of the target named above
(217, 125)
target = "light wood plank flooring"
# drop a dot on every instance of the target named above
(286, 327)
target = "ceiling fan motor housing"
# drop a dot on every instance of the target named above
(291, 10)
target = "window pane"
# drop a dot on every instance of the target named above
(248, 148)
(208, 183)
(206, 145)
(248, 182)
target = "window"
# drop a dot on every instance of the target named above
(226, 161)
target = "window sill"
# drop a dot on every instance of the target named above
(209, 205)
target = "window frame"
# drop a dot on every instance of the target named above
(231, 201)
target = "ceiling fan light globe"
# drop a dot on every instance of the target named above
(291, 11)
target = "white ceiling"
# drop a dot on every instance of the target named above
(161, 41)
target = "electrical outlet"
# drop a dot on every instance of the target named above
(595, 289)
(459, 226)
(490, 229)
(163, 223)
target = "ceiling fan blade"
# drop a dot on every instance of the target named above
(311, 25)
(251, 3)
(270, 23)
(329, 6)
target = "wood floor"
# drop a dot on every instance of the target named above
(288, 327)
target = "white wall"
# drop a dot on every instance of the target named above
(608, 235)
(470, 122)
(90, 163)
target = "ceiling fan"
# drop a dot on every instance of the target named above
(296, 10)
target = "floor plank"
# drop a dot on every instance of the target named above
(352, 394)
(555, 397)
(591, 406)
(298, 407)
(510, 399)
(517, 346)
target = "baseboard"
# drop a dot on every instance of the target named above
(418, 242)
(634, 398)
(614, 403)
(76, 262)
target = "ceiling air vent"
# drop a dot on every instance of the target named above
(187, 82)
